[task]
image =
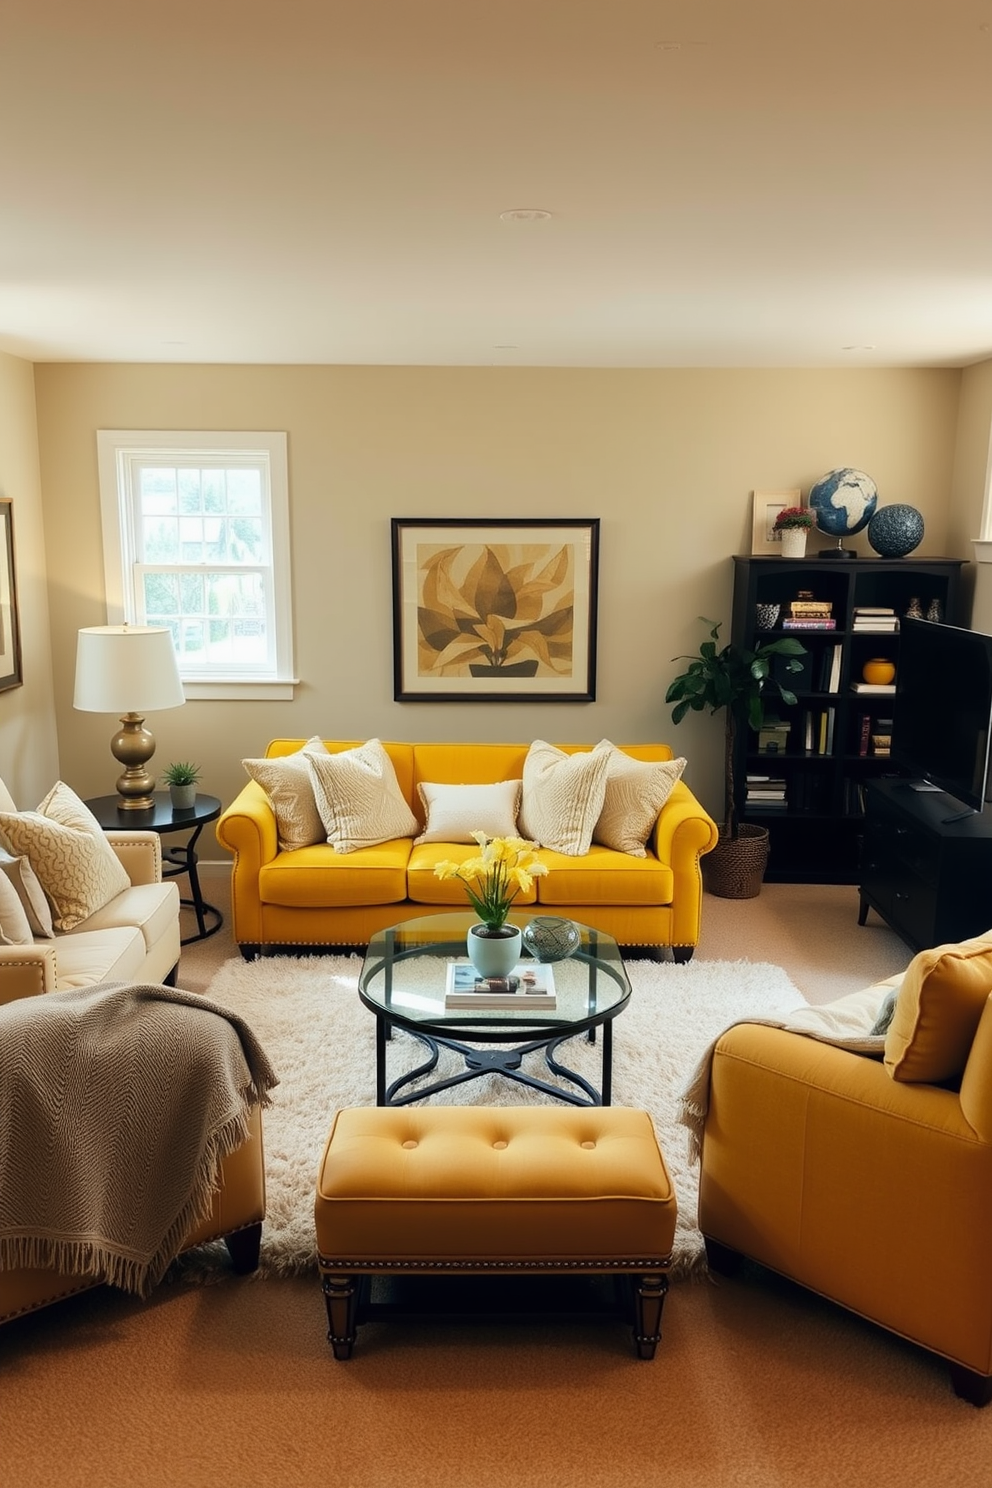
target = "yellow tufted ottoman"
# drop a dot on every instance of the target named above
(483, 1190)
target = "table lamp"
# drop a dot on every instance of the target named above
(130, 670)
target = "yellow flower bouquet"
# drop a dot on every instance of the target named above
(504, 867)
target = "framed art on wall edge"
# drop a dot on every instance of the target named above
(494, 610)
(10, 630)
(765, 507)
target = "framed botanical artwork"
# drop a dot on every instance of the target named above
(491, 610)
(765, 507)
(10, 630)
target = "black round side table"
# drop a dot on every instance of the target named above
(163, 818)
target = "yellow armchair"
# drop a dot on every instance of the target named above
(862, 1182)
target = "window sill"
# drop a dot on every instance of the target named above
(241, 690)
(983, 549)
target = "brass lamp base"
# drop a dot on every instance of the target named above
(132, 747)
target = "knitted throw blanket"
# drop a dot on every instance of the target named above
(117, 1104)
(847, 1023)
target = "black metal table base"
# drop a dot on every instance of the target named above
(493, 1060)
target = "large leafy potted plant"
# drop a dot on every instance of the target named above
(737, 680)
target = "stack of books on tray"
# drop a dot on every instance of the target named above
(807, 613)
(874, 618)
(529, 987)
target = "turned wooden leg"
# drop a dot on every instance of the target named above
(649, 1299)
(722, 1258)
(341, 1300)
(970, 1385)
(243, 1247)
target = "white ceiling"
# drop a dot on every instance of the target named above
(731, 182)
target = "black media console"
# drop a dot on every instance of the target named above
(925, 867)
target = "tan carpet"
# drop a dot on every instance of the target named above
(756, 1383)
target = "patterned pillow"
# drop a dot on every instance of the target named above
(563, 796)
(286, 781)
(636, 790)
(22, 877)
(76, 866)
(359, 798)
(454, 812)
(14, 926)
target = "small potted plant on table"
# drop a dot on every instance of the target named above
(181, 778)
(734, 679)
(794, 523)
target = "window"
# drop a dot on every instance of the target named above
(196, 537)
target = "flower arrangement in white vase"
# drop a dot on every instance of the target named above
(794, 523)
(493, 879)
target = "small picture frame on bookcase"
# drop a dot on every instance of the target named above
(765, 507)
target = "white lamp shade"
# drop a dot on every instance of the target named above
(126, 669)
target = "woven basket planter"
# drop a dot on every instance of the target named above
(736, 866)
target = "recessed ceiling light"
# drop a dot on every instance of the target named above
(506, 346)
(524, 214)
(863, 346)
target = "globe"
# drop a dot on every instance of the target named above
(843, 501)
(895, 531)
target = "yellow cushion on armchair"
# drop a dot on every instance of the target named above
(937, 1011)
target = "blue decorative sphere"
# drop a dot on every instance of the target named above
(895, 531)
(843, 501)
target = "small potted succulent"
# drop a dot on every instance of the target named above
(181, 778)
(794, 523)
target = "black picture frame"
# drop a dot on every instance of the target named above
(495, 609)
(10, 625)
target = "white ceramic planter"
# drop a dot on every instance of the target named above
(793, 542)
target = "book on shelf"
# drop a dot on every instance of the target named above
(810, 609)
(530, 985)
(873, 610)
(874, 687)
(821, 623)
(875, 627)
(830, 664)
(864, 732)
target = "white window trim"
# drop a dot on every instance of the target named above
(114, 447)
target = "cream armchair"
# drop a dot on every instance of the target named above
(136, 937)
(869, 1180)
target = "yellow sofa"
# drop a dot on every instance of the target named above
(316, 898)
(868, 1179)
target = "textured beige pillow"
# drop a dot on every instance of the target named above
(21, 875)
(286, 781)
(636, 790)
(563, 796)
(359, 798)
(14, 926)
(76, 866)
(937, 1011)
(454, 812)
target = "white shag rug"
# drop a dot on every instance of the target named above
(321, 1042)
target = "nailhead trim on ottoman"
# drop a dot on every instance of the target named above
(484, 1190)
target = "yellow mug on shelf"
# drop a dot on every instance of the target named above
(878, 670)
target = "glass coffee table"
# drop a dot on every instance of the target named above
(402, 983)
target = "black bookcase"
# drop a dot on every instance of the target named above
(828, 745)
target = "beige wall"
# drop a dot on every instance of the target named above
(970, 463)
(667, 460)
(29, 755)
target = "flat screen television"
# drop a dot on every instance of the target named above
(942, 710)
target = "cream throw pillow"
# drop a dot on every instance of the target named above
(454, 812)
(286, 781)
(22, 877)
(14, 926)
(937, 1011)
(563, 796)
(76, 866)
(636, 790)
(359, 798)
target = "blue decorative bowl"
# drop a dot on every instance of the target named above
(895, 531)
